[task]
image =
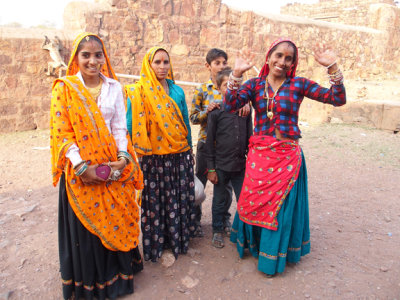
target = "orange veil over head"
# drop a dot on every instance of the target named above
(73, 67)
(108, 210)
(157, 122)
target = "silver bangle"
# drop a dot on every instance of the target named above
(236, 78)
(331, 64)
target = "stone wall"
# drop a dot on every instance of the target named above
(188, 29)
(25, 89)
(349, 12)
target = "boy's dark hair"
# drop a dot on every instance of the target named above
(221, 76)
(214, 53)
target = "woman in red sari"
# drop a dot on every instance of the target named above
(98, 209)
(272, 212)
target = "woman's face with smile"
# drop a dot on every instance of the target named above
(90, 59)
(280, 60)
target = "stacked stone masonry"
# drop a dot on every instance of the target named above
(187, 29)
(349, 12)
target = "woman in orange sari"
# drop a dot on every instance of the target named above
(94, 163)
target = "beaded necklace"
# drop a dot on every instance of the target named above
(270, 114)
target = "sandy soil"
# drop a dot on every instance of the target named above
(354, 175)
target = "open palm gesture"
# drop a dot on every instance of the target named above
(324, 55)
(243, 62)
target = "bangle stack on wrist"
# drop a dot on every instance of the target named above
(125, 155)
(81, 168)
(331, 64)
(336, 78)
(234, 82)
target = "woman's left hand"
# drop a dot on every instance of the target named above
(324, 55)
(118, 165)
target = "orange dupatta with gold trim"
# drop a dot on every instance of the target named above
(157, 122)
(108, 210)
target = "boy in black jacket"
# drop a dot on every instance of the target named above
(226, 149)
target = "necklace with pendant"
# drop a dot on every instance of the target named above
(270, 114)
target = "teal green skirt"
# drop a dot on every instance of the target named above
(289, 242)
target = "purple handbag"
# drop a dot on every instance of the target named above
(103, 171)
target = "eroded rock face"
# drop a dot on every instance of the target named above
(188, 29)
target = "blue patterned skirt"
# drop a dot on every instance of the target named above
(168, 219)
(289, 242)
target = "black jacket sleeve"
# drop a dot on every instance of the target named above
(212, 123)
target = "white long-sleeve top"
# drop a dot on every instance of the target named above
(111, 105)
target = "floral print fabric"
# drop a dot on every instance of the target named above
(167, 203)
(272, 168)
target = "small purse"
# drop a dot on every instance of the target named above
(103, 171)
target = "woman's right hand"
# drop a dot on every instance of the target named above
(212, 177)
(243, 62)
(212, 106)
(89, 177)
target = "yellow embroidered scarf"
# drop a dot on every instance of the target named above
(157, 123)
(108, 210)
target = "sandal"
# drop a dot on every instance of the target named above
(228, 228)
(218, 240)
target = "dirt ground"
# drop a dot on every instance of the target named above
(353, 175)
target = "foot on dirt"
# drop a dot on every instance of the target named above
(228, 228)
(218, 240)
(167, 259)
(199, 232)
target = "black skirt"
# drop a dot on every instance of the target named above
(168, 217)
(88, 269)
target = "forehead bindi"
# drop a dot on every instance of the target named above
(285, 48)
(91, 47)
(161, 56)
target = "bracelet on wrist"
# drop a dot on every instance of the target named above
(211, 171)
(83, 167)
(331, 64)
(236, 78)
(125, 155)
(78, 165)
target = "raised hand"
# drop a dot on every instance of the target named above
(243, 62)
(324, 55)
